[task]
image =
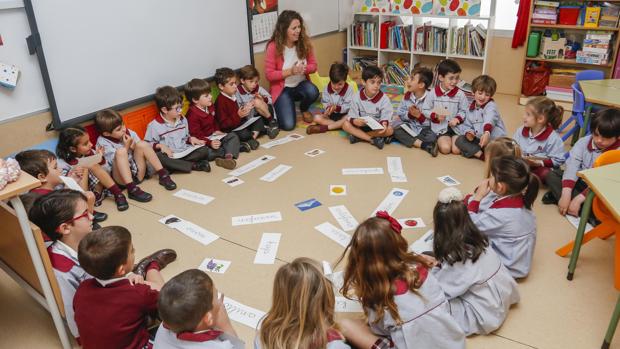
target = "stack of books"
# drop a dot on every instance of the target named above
(559, 93)
(363, 34)
(545, 12)
(468, 40)
(609, 15)
(596, 48)
(399, 38)
(360, 63)
(396, 72)
(431, 38)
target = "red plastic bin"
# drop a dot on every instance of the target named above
(569, 15)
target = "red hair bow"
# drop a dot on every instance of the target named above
(393, 222)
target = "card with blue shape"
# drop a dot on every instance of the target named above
(308, 204)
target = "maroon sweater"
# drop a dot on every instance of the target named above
(113, 316)
(202, 124)
(226, 113)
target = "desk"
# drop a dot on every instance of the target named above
(603, 92)
(11, 192)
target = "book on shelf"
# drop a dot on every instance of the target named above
(592, 17)
(559, 93)
(362, 62)
(399, 37)
(467, 40)
(609, 16)
(431, 38)
(363, 34)
(547, 3)
(396, 72)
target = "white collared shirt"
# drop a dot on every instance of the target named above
(66, 248)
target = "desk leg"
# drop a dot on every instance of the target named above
(585, 213)
(40, 269)
(586, 121)
(611, 329)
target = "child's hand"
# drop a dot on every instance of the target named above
(533, 162)
(196, 141)
(482, 190)
(453, 122)
(575, 205)
(135, 279)
(484, 140)
(359, 122)
(470, 136)
(220, 316)
(565, 201)
(430, 261)
(413, 110)
(153, 286)
(128, 142)
(244, 111)
(329, 110)
(219, 133)
(100, 150)
(216, 144)
(164, 149)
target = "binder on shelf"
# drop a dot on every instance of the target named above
(385, 30)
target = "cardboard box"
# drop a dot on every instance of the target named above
(552, 49)
(561, 80)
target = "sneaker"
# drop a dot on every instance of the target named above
(140, 195)
(121, 202)
(244, 147)
(313, 129)
(432, 149)
(549, 199)
(203, 165)
(99, 217)
(161, 257)
(353, 139)
(388, 140)
(253, 144)
(228, 164)
(272, 132)
(167, 183)
(378, 142)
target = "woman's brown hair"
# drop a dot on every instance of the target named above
(303, 45)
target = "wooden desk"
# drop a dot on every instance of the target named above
(603, 92)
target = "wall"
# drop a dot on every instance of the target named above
(506, 65)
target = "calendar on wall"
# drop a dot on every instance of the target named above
(264, 18)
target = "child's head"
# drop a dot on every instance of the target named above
(41, 164)
(456, 237)
(62, 214)
(249, 76)
(372, 77)
(542, 111)
(169, 102)
(512, 176)
(302, 308)
(107, 253)
(448, 72)
(226, 80)
(419, 80)
(110, 124)
(73, 142)
(338, 73)
(377, 256)
(501, 146)
(198, 92)
(605, 128)
(188, 301)
(484, 88)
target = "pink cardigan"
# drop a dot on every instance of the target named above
(273, 69)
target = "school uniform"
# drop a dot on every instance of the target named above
(175, 135)
(511, 229)
(547, 144)
(112, 313)
(67, 165)
(209, 339)
(378, 107)
(454, 101)
(244, 96)
(480, 119)
(341, 100)
(110, 145)
(335, 340)
(69, 275)
(202, 124)
(421, 125)
(425, 316)
(480, 293)
(226, 114)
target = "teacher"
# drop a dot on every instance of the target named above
(288, 61)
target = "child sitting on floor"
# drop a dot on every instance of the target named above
(250, 92)
(502, 146)
(336, 98)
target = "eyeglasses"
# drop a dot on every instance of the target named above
(178, 109)
(85, 214)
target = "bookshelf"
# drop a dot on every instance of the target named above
(409, 39)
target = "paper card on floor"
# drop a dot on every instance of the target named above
(344, 217)
(314, 152)
(449, 181)
(215, 137)
(257, 218)
(193, 196)
(70, 183)
(242, 313)
(372, 123)
(362, 171)
(327, 268)
(232, 181)
(214, 265)
(186, 152)
(334, 233)
(290, 138)
(408, 129)
(88, 161)
(251, 165)
(295, 136)
(395, 169)
(338, 190)
(423, 244)
(267, 249)
(344, 305)
(275, 173)
(575, 222)
(308, 204)
(247, 123)
(409, 223)
(190, 229)
(391, 201)
(337, 279)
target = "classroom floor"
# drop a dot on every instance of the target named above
(553, 312)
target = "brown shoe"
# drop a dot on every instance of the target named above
(312, 129)
(228, 164)
(161, 257)
(307, 117)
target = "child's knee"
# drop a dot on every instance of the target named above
(90, 196)
(456, 150)
(121, 152)
(143, 145)
(444, 148)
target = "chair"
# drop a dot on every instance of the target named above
(321, 81)
(580, 107)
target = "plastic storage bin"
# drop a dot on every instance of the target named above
(533, 44)
(569, 15)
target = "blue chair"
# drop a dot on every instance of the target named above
(590, 75)
(581, 109)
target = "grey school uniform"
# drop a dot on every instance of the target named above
(110, 145)
(244, 96)
(548, 144)
(421, 125)
(456, 103)
(426, 320)
(69, 274)
(211, 339)
(478, 120)
(342, 100)
(333, 342)
(479, 293)
(379, 108)
(511, 229)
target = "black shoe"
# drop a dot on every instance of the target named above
(140, 195)
(95, 226)
(378, 142)
(161, 257)
(272, 132)
(99, 217)
(549, 199)
(253, 144)
(353, 139)
(388, 140)
(431, 148)
(167, 183)
(244, 147)
(203, 165)
(121, 202)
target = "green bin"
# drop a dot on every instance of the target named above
(533, 44)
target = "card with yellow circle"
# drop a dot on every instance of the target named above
(338, 190)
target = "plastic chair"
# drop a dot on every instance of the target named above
(576, 117)
(581, 76)
(321, 82)
(590, 75)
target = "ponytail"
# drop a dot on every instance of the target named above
(555, 116)
(67, 139)
(531, 191)
(516, 175)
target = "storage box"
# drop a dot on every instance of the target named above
(561, 80)
(569, 15)
(552, 49)
(592, 58)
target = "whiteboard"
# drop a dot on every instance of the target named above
(321, 16)
(102, 54)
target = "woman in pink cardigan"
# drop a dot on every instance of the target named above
(288, 61)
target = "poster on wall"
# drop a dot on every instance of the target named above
(264, 17)
(456, 7)
(410, 6)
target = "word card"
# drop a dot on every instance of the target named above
(362, 171)
(395, 169)
(275, 173)
(189, 229)
(193, 196)
(242, 313)
(391, 201)
(233, 181)
(345, 305)
(257, 218)
(267, 248)
(251, 165)
(290, 138)
(344, 217)
(334, 233)
(423, 244)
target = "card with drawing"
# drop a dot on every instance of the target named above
(314, 152)
(214, 265)
(449, 181)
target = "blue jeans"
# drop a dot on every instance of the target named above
(305, 92)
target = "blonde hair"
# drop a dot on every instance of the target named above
(302, 309)
(501, 146)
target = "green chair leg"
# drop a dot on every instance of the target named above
(585, 214)
(612, 326)
(586, 121)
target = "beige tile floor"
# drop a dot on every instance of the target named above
(553, 312)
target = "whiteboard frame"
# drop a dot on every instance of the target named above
(35, 47)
